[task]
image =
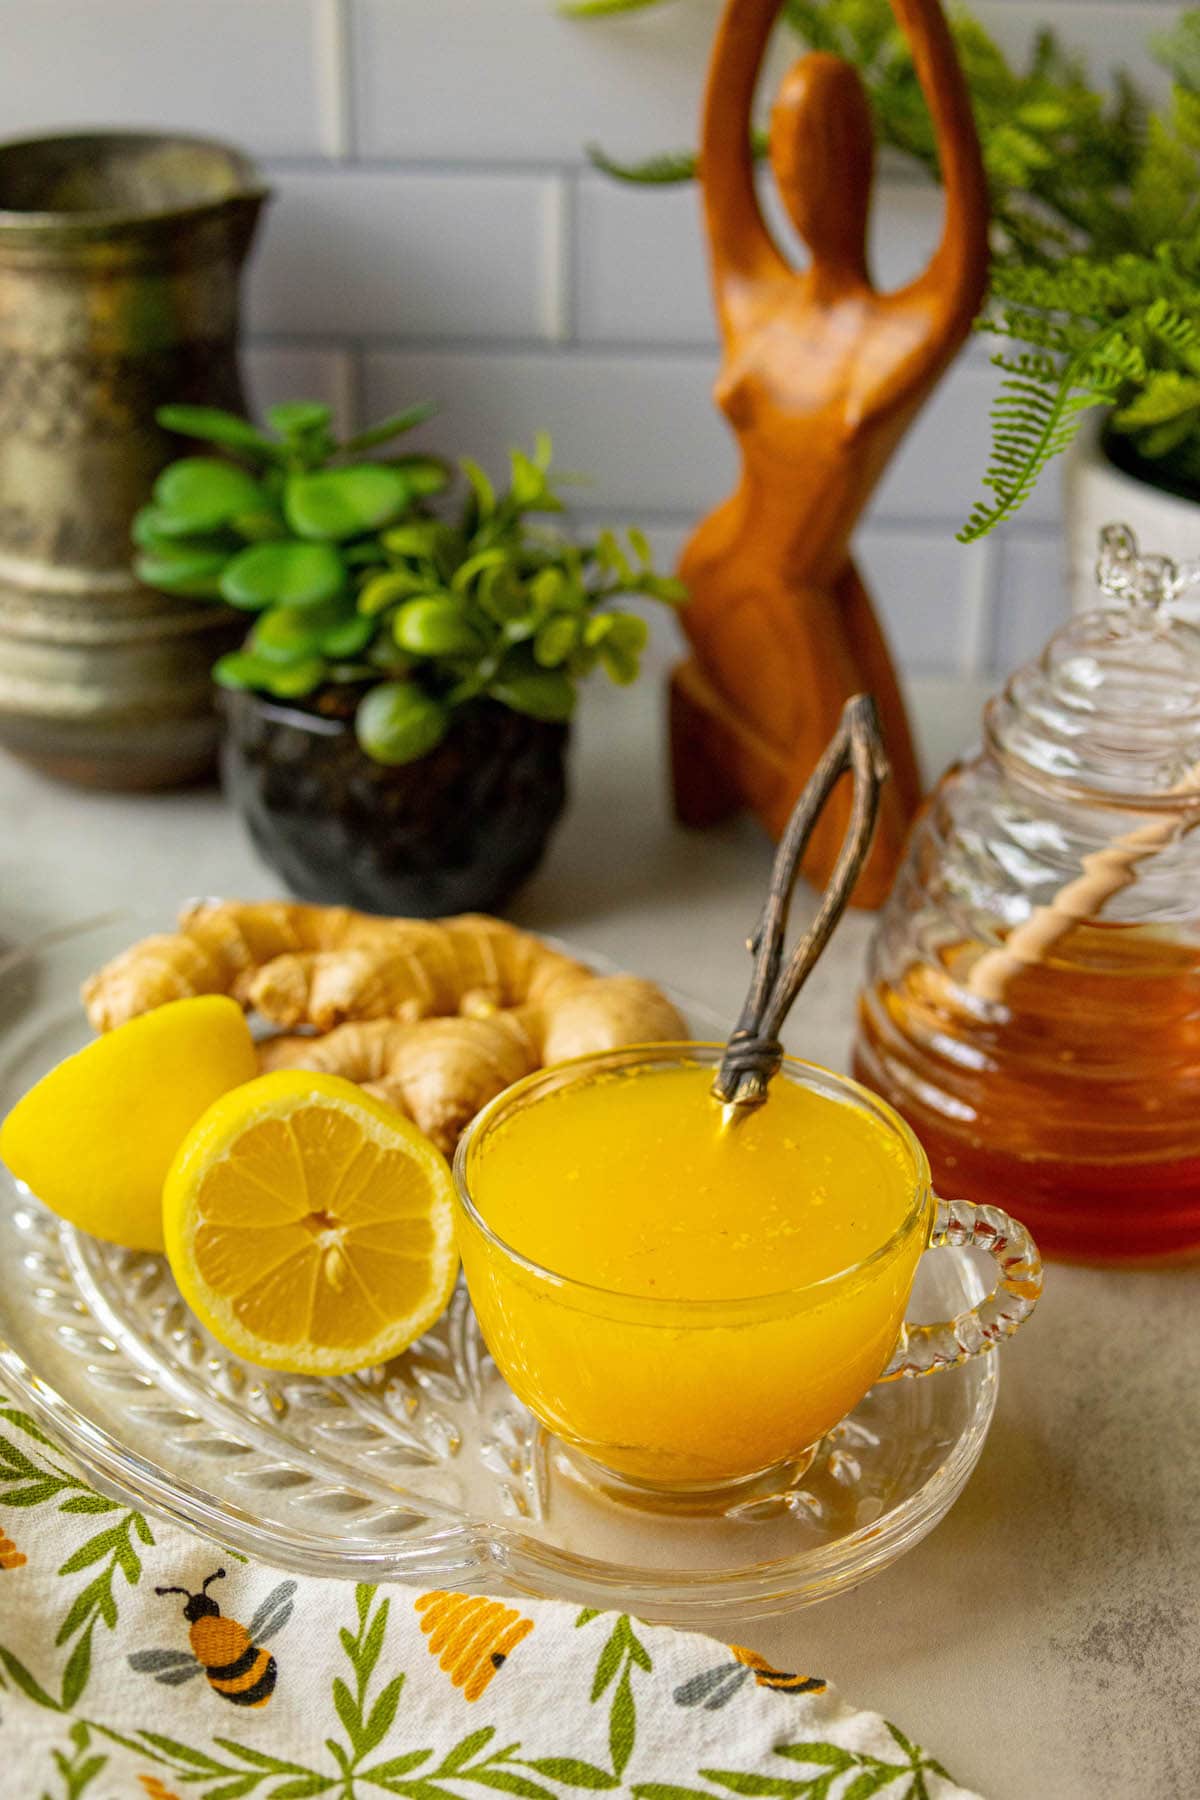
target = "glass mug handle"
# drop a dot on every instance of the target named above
(922, 1348)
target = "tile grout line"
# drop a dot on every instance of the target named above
(557, 260)
(331, 46)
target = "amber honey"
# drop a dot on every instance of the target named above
(1074, 1100)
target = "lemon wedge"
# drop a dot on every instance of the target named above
(309, 1226)
(95, 1137)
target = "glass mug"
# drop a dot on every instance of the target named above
(695, 1400)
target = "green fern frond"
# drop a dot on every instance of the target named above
(653, 171)
(1177, 330)
(1117, 358)
(1061, 336)
(1033, 423)
(595, 9)
(1166, 398)
(1041, 370)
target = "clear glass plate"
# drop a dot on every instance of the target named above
(426, 1469)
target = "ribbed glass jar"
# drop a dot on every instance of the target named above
(1032, 1002)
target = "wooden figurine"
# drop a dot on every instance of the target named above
(821, 376)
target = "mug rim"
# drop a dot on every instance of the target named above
(808, 1074)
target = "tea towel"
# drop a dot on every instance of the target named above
(138, 1662)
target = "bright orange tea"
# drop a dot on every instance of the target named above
(721, 1295)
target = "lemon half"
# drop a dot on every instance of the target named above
(310, 1226)
(95, 1137)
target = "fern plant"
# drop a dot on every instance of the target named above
(1095, 204)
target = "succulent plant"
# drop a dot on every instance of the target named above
(362, 591)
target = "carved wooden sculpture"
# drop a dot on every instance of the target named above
(822, 374)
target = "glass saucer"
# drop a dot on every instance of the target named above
(426, 1469)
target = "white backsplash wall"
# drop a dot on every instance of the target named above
(437, 232)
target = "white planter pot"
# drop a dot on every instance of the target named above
(1097, 494)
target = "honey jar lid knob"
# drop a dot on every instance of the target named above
(1145, 584)
(754, 1053)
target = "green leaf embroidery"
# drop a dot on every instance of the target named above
(622, 1725)
(465, 1750)
(379, 1721)
(21, 1678)
(607, 1666)
(573, 1772)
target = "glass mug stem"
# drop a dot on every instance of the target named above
(959, 1225)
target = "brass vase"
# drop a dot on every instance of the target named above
(120, 259)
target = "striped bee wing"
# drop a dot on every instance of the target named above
(170, 1666)
(273, 1614)
(712, 1688)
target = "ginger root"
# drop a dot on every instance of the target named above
(439, 1072)
(442, 1071)
(219, 948)
(436, 1017)
(473, 965)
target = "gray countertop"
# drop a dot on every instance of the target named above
(1044, 1641)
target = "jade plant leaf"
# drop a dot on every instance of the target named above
(397, 722)
(287, 634)
(547, 694)
(217, 427)
(435, 626)
(200, 493)
(152, 526)
(283, 574)
(293, 418)
(183, 569)
(555, 640)
(424, 475)
(298, 679)
(381, 591)
(348, 637)
(387, 429)
(621, 647)
(245, 670)
(342, 503)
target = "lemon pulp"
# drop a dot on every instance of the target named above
(309, 1226)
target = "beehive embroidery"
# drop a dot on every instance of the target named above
(471, 1637)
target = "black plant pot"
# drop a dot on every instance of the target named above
(457, 831)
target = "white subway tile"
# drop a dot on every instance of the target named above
(245, 70)
(1031, 601)
(275, 373)
(418, 255)
(511, 78)
(641, 427)
(924, 585)
(641, 269)
(640, 272)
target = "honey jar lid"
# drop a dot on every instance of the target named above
(1113, 702)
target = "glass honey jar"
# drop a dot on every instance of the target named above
(1032, 1000)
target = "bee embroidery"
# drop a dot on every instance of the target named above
(714, 1688)
(471, 1636)
(10, 1556)
(230, 1655)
